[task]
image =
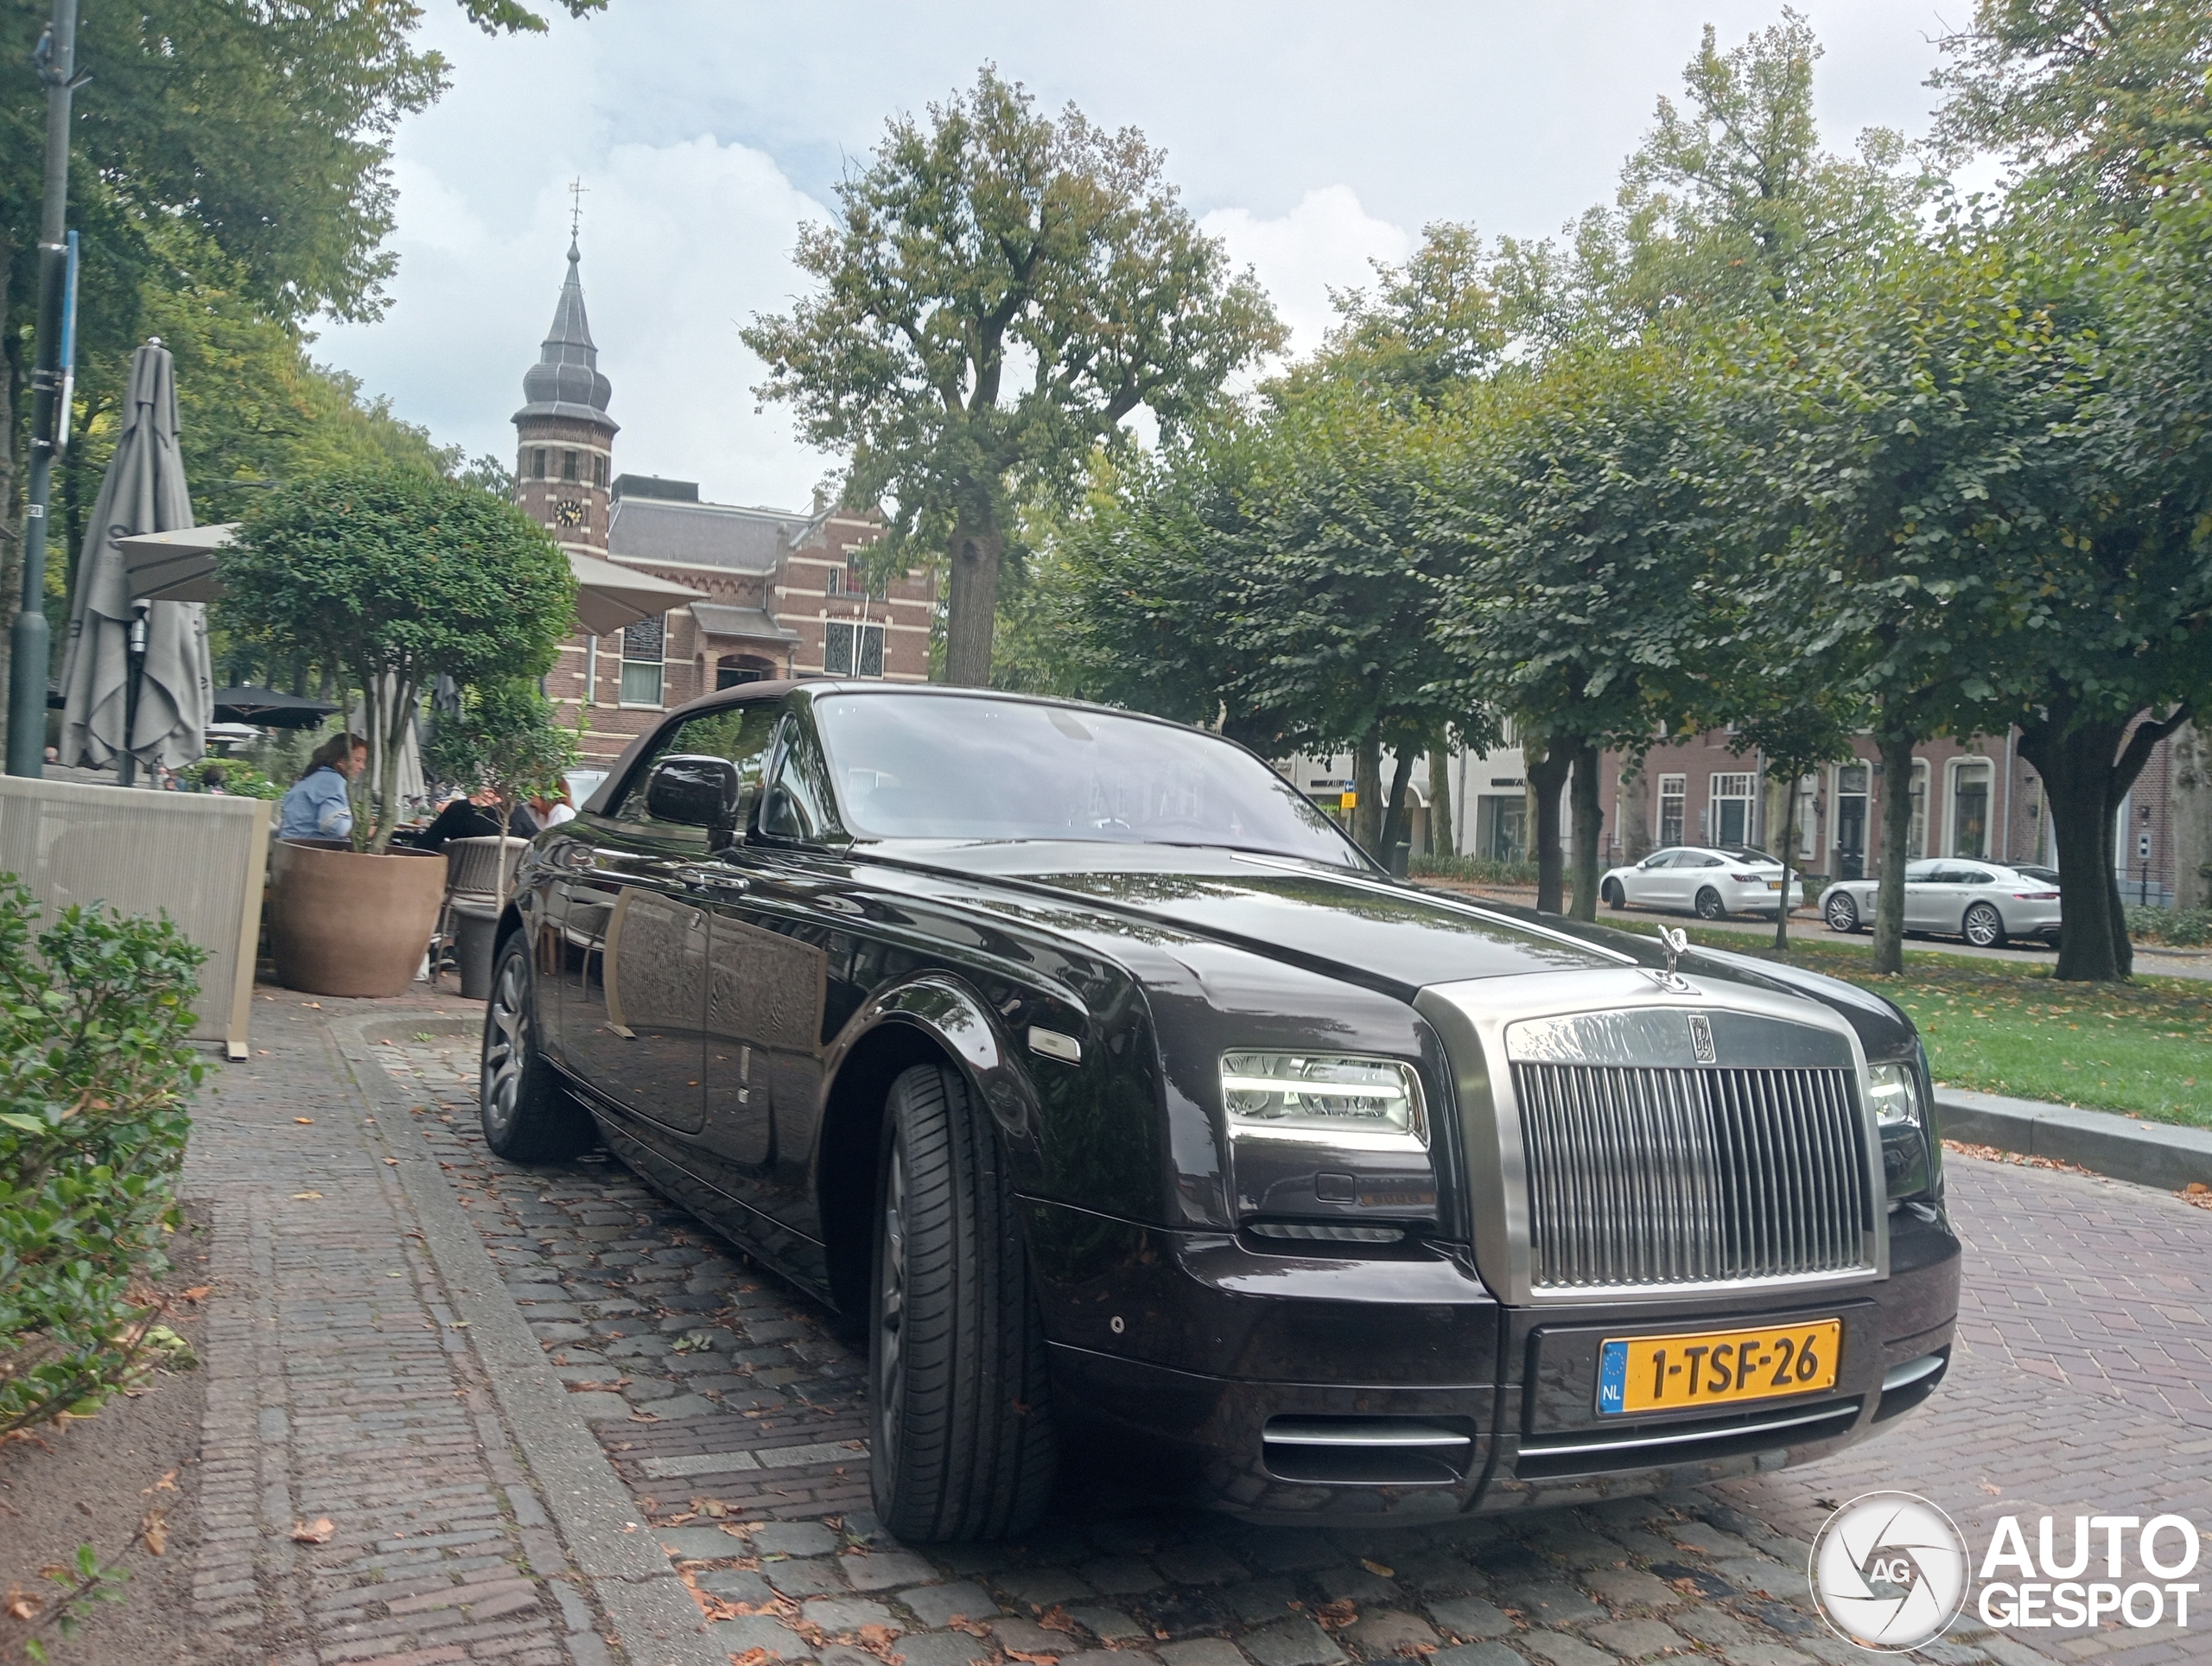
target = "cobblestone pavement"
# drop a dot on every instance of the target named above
(732, 1410)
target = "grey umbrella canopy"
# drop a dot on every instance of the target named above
(143, 492)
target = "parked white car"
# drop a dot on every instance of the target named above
(1978, 900)
(1710, 882)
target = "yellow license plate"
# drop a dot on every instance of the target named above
(1773, 885)
(1717, 1367)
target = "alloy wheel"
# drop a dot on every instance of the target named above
(1983, 928)
(891, 1311)
(1708, 905)
(1843, 915)
(506, 1047)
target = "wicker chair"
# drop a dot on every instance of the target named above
(478, 873)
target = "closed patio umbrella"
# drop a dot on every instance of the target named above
(160, 716)
(270, 708)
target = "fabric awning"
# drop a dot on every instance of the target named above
(176, 566)
(609, 596)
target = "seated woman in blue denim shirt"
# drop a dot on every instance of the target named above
(317, 806)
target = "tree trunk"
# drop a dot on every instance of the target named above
(1784, 855)
(11, 544)
(2082, 786)
(1589, 822)
(972, 604)
(1442, 838)
(1547, 777)
(1895, 750)
(1367, 793)
(1394, 814)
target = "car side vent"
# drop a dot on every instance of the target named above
(1368, 1451)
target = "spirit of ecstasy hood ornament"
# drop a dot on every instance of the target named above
(1677, 942)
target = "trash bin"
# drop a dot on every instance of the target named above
(474, 928)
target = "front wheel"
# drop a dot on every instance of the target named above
(1709, 906)
(1615, 898)
(963, 1445)
(529, 1115)
(1984, 926)
(1842, 913)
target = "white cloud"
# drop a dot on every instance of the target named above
(682, 243)
(1328, 241)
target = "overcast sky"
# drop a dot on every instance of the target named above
(1312, 138)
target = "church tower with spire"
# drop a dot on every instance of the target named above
(565, 461)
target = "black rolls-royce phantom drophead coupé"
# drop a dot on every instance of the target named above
(1088, 1065)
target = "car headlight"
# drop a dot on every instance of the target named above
(1901, 1119)
(1324, 1098)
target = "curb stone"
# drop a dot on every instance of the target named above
(2148, 1153)
(656, 1621)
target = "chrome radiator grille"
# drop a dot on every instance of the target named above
(1657, 1177)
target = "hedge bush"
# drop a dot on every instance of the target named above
(1473, 870)
(2179, 928)
(94, 1072)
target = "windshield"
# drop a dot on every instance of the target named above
(951, 767)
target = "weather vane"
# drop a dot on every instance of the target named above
(577, 189)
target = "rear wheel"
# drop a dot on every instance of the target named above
(1842, 913)
(1984, 926)
(963, 1445)
(529, 1115)
(1614, 896)
(1709, 906)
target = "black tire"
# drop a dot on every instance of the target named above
(1842, 913)
(1615, 898)
(1708, 905)
(963, 1446)
(529, 1115)
(1984, 927)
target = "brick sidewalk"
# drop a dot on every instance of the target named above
(342, 1391)
(733, 1417)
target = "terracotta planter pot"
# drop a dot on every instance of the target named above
(343, 923)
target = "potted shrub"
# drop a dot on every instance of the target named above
(395, 578)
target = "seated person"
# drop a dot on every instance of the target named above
(317, 806)
(476, 816)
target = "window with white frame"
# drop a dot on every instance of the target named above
(1732, 808)
(1808, 813)
(1674, 800)
(644, 671)
(1915, 836)
(851, 649)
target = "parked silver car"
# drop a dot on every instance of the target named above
(1711, 882)
(1978, 900)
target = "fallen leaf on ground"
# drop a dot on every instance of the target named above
(1377, 1569)
(156, 1531)
(318, 1532)
(1340, 1612)
(750, 1657)
(391, 1162)
(199, 1293)
(20, 1607)
(1033, 1660)
(1055, 1618)
(1992, 1488)
(303, 1119)
(306, 1197)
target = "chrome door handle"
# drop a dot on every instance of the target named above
(708, 880)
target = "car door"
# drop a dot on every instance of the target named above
(633, 996)
(775, 927)
(1646, 882)
(1923, 896)
(1968, 886)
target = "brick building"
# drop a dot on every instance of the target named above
(781, 593)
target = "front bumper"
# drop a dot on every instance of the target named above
(1305, 1387)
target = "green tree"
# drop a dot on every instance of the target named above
(398, 578)
(507, 737)
(1912, 431)
(1589, 534)
(998, 293)
(2088, 100)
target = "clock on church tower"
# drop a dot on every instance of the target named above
(569, 513)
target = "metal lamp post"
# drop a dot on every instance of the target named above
(56, 63)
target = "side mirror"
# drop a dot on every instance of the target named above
(695, 792)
